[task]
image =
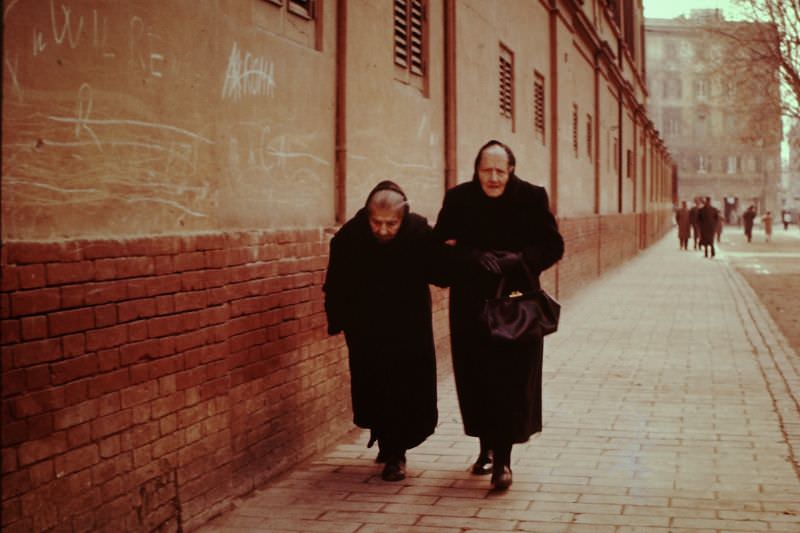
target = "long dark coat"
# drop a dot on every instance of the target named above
(378, 295)
(707, 218)
(684, 223)
(499, 387)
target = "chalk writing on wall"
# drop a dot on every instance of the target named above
(248, 75)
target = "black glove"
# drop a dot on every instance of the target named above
(486, 261)
(509, 262)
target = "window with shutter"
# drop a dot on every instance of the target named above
(538, 106)
(507, 83)
(589, 136)
(410, 35)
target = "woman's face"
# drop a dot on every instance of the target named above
(493, 171)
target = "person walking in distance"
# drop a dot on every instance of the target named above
(376, 292)
(766, 220)
(693, 221)
(747, 218)
(683, 220)
(707, 218)
(497, 224)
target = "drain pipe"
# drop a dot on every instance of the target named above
(340, 203)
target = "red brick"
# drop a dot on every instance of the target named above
(33, 327)
(35, 301)
(33, 451)
(108, 382)
(108, 359)
(192, 281)
(73, 296)
(141, 413)
(124, 267)
(76, 414)
(114, 423)
(137, 331)
(35, 352)
(110, 403)
(14, 433)
(102, 293)
(190, 378)
(167, 444)
(32, 276)
(185, 301)
(76, 460)
(165, 304)
(163, 326)
(9, 278)
(143, 434)
(74, 344)
(105, 315)
(138, 394)
(37, 377)
(154, 246)
(163, 367)
(110, 447)
(38, 402)
(134, 352)
(42, 252)
(14, 484)
(5, 305)
(163, 265)
(167, 404)
(10, 331)
(76, 392)
(158, 285)
(106, 338)
(73, 321)
(111, 468)
(40, 426)
(189, 261)
(74, 368)
(133, 309)
(42, 473)
(168, 424)
(11, 511)
(13, 382)
(79, 435)
(211, 241)
(63, 273)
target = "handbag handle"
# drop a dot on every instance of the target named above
(501, 286)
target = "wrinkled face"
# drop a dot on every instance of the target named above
(385, 222)
(493, 171)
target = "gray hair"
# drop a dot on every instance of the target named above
(387, 199)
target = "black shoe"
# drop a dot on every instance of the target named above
(394, 470)
(483, 464)
(501, 478)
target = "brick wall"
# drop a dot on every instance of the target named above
(146, 382)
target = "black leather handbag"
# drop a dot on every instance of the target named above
(520, 317)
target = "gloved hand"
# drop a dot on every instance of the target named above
(498, 262)
(508, 262)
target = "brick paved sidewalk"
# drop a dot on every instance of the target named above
(671, 404)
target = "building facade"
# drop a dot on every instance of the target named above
(172, 174)
(718, 112)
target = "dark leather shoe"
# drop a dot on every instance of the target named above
(501, 478)
(483, 464)
(394, 470)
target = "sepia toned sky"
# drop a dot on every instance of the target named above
(674, 8)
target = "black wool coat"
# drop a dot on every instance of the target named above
(378, 295)
(707, 218)
(499, 386)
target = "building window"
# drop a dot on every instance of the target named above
(670, 49)
(296, 20)
(589, 136)
(731, 167)
(673, 88)
(629, 163)
(703, 164)
(701, 89)
(575, 129)
(701, 127)
(410, 36)
(507, 84)
(672, 121)
(615, 156)
(538, 106)
(304, 8)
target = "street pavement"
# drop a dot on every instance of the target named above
(670, 405)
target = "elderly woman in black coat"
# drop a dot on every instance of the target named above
(376, 291)
(495, 223)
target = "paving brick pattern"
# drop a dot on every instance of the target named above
(671, 404)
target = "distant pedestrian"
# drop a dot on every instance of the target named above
(683, 220)
(498, 225)
(748, 217)
(376, 291)
(786, 218)
(693, 221)
(766, 220)
(720, 225)
(707, 218)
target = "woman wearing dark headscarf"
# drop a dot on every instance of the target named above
(495, 223)
(376, 291)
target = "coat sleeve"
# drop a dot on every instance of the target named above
(335, 288)
(452, 261)
(548, 244)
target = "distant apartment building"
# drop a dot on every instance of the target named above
(717, 109)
